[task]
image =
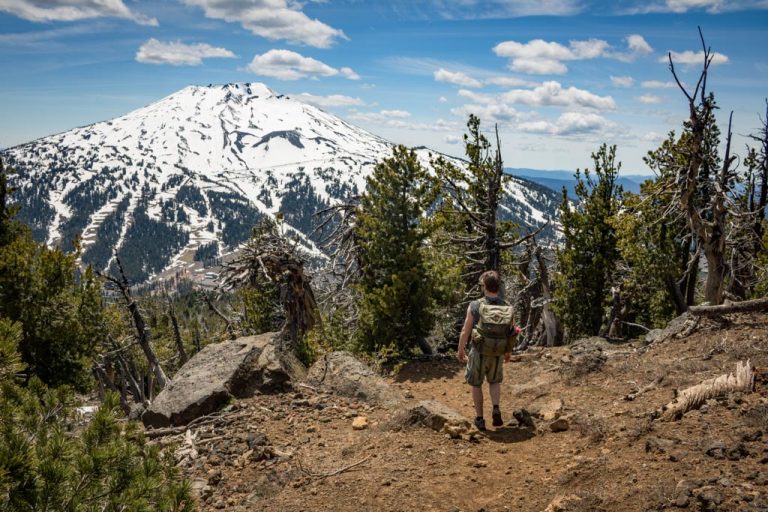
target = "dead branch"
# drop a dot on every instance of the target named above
(332, 473)
(732, 307)
(644, 389)
(695, 396)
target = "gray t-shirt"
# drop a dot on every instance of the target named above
(474, 307)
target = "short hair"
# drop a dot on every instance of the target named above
(491, 281)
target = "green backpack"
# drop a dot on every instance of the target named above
(492, 332)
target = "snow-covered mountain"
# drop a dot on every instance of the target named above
(187, 177)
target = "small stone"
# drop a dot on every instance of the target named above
(311, 429)
(360, 423)
(682, 500)
(480, 464)
(716, 450)
(559, 425)
(408, 394)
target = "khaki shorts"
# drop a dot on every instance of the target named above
(480, 367)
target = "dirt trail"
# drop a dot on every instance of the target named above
(298, 451)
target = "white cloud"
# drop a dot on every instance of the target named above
(349, 73)
(652, 137)
(551, 93)
(649, 99)
(273, 19)
(622, 81)
(491, 112)
(500, 9)
(456, 78)
(690, 58)
(442, 99)
(334, 100)
(657, 84)
(509, 81)
(288, 65)
(385, 117)
(179, 54)
(547, 57)
(710, 6)
(571, 124)
(72, 10)
(453, 139)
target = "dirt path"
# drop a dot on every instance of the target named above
(295, 451)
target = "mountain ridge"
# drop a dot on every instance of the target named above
(195, 170)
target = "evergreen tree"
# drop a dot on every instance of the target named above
(60, 315)
(588, 259)
(396, 289)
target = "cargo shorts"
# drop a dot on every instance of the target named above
(480, 367)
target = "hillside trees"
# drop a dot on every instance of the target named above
(587, 261)
(395, 288)
(59, 310)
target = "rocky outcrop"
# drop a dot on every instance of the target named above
(431, 414)
(220, 372)
(343, 374)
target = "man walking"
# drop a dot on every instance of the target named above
(489, 324)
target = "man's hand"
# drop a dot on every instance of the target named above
(507, 357)
(461, 355)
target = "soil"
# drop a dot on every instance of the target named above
(298, 451)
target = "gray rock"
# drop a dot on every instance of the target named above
(343, 374)
(673, 328)
(220, 372)
(432, 414)
(524, 418)
(560, 425)
(659, 445)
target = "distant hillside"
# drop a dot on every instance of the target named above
(557, 179)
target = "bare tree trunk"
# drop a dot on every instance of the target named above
(141, 327)
(176, 332)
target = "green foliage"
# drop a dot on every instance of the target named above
(396, 289)
(44, 466)
(59, 314)
(588, 259)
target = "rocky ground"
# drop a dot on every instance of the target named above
(589, 444)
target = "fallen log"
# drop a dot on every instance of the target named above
(732, 307)
(695, 396)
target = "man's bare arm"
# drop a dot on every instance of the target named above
(466, 330)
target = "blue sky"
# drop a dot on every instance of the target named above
(559, 77)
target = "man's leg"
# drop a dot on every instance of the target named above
(477, 398)
(495, 390)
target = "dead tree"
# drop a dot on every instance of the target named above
(183, 358)
(270, 256)
(710, 228)
(142, 331)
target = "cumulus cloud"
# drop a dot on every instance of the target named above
(334, 100)
(652, 137)
(179, 54)
(385, 117)
(657, 84)
(622, 81)
(72, 10)
(649, 99)
(273, 19)
(456, 78)
(551, 93)
(491, 112)
(442, 99)
(690, 58)
(571, 124)
(452, 139)
(548, 57)
(288, 65)
(349, 73)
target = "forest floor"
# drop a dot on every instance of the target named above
(299, 451)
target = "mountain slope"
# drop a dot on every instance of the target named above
(187, 177)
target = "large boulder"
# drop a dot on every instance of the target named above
(343, 374)
(220, 372)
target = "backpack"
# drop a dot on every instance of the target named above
(492, 332)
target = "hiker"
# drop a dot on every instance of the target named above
(489, 325)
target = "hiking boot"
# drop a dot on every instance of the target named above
(497, 421)
(480, 424)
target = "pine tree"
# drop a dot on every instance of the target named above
(588, 259)
(396, 289)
